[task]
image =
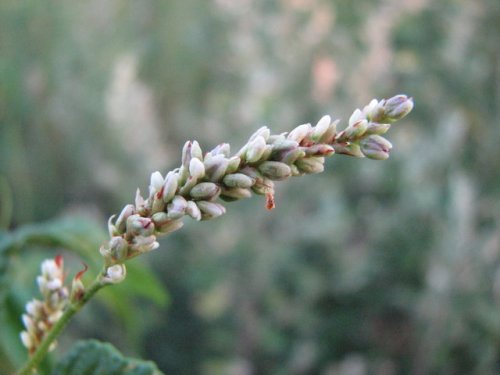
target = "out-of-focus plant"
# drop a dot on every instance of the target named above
(193, 190)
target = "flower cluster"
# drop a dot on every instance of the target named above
(42, 315)
(194, 189)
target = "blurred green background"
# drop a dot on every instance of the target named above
(369, 268)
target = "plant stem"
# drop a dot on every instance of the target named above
(58, 327)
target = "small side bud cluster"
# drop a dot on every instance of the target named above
(195, 188)
(363, 135)
(40, 315)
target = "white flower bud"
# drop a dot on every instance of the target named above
(238, 180)
(204, 191)
(169, 227)
(398, 107)
(263, 132)
(300, 132)
(196, 150)
(55, 316)
(193, 210)
(375, 110)
(329, 134)
(215, 167)
(255, 149)
(50, 269)
(34, 308)
(291, 156)
(321, 127)
(53, 284)
(210, 210)
(235, 193)
(276, 138)
(28, 322)
(376, 128)
(139, 201)
(177, 207)
(222, 149)
(355, 130)
(196, 169)
(310, 165)
(356, 116)
(144, 244)
(156, 183)
(351, 149)
(285, 145)
(233, 164)
(115, 274)
(376, 147)
(139, 226)
(26, 339)
(170, 187)
(116, 250)
(121, 221)
(319, 150)
(275, 170)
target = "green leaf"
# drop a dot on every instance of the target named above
(74, 233)
(142, 281)
(92, 357)
(121, 299)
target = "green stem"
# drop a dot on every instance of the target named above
(57, 328)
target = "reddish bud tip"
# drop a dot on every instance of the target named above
(59, 261)
(79, 275)
(270, 203)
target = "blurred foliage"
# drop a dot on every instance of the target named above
(93, 357)
(385, 268)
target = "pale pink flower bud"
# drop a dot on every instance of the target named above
(196, 150)
(356, 116)
(321, 127)
(238, 180)
(310, 165)
(291, 156)
(115, 274)
(222, 149)
(300, 132)
(170, 186)
(177, 208)
(138, 225)
(139, 201)
(210, 210)
(263, 132)
(193, 210)
(376, 128)
(376, 147)
(29, 323)
(355, 130)
(233, 164)
(205, 191)
(121, 221)
(285, 145)
(196, 169)
(398, 107)
(255, 149)
(235, 193)
(215, 167)
(375, 110)
(275, 170)
(116, 250)
(26, 340)
(156, 183)
(169, 227)
(144, 244)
